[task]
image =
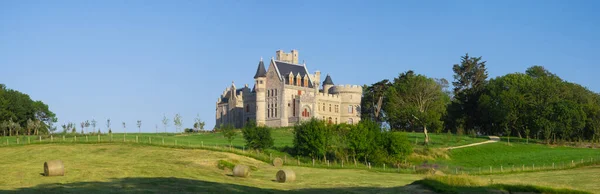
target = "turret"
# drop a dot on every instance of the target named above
(260, 85)
(328, 83)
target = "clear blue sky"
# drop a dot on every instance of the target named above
(139, 60)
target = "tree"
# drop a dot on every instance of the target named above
(257, 137)
(165, 122)
(373, 100)
(139, 125)
(178, 122)
(416, 101)
(229, 133)
(94, 125)
(124, 130)
(197, 123)
(310, 138)
(82, 125)
(30, 126)
(87, 124)
(20, 108)
(108, 126)
(470, 76)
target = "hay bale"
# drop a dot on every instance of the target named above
(54, 168)
(277, 162)
(285, 176)
(241, 170)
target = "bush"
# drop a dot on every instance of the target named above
(222, 164)
(188, 130)
(310, 138)
(399, 147)
(257, 137)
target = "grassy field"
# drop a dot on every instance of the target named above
(517, 154)
(138, 168)
(111, 168)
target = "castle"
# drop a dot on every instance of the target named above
(286, 94)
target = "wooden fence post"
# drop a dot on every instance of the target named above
(285, 159)
(98, 138)
(163, 140)
(75, 139)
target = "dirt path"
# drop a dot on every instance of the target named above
(493, 139)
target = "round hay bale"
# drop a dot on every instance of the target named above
(54, 168)
(241, 170)
(285, 176)
(277, 162)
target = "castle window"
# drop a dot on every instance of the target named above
(291, 80)
(275, 92)
(337, 108)
(268, 93)
(294, 108)
(329, 107)
(305, 82)
(350, 109)
(298, 81)
(329, 120)
(260, 81)
(323, 109)
(336, 120)
(268, 113)
(247, 108)
(275, 112)
(350, 121)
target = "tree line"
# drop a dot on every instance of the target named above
(20, 115)
(534, 104)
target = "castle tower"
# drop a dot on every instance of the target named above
(291, 57)
(260, 84)
(328, 83)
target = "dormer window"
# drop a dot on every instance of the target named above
(305, 81)
(298, 83)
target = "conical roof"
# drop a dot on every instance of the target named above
(328, 80)
(260, 71)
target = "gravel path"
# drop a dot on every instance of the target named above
(493, 139)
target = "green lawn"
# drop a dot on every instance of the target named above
(444, 140)
(585, 178)
(517, 154)
(130, 168)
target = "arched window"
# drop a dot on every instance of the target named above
(350, 121)
(330, 121)
(305, 113)
(298, 80)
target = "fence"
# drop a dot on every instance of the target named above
(288, 160)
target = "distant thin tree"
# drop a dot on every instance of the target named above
(82, 125)
(108, 125)
(165, 122)
(30, 125)
(87, 124)
(124, 130)
(178, 122)
(197, 123)
(139, 125)
(94, 125)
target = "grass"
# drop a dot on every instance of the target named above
(585, 178)
(517, 154)
(131, 168)
(443, 140)
(466, 184)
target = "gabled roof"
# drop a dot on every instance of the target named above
(328, 80)
(260, 71)
(284, 70)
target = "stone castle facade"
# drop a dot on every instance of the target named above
(286, 94)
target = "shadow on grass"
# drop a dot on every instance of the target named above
(442, 187)
(179, 185)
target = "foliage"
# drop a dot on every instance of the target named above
(466, 184)
(257, 137)
(310, 138)
(365, 141)
(415, 101)
(223, 164)
(178, 122)
(228, 132)
(20, 108)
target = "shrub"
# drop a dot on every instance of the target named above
(257, 137)
(310, 138)
(222, 164)
(188, 130)
(399, 147)
(228, 132)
